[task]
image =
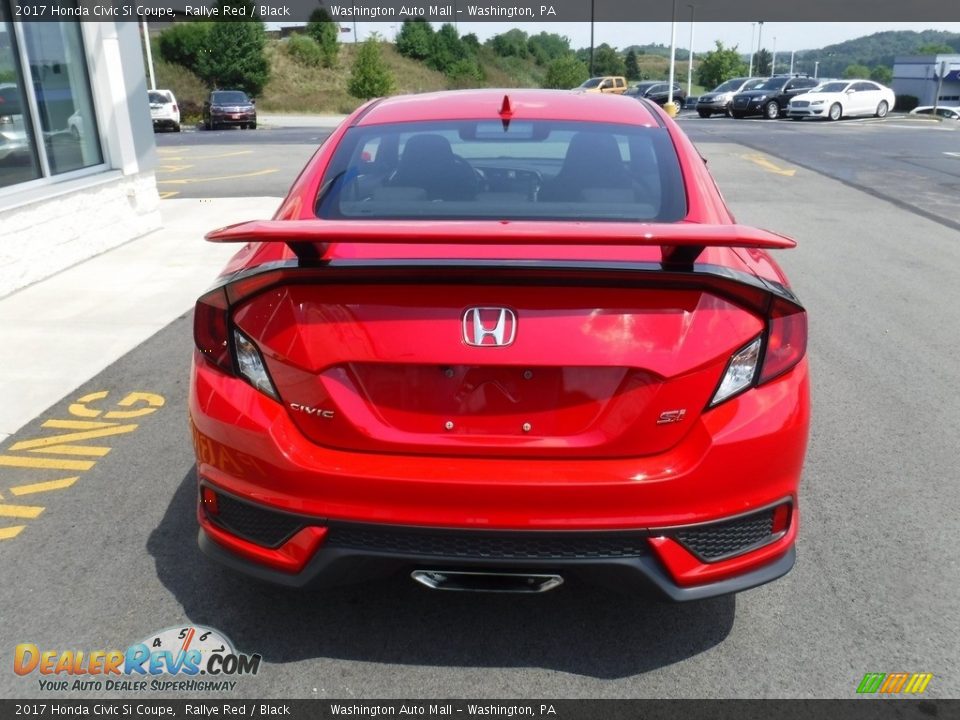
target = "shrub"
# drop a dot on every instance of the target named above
(305, 50)
(370, 77)
(906, 103)
(565, 72)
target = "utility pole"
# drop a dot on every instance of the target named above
(816, 69)
(753, 33)
(936, 99)
(773, 62)
(690, 59)
(791, 61)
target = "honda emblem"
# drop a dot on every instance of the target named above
(489, 326)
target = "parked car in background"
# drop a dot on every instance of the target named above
(164, 110)
(718, 100)
(9, 101)
(490, 342)
(770, 98)
(842, 98)
(950, 113)
(75, 125)
(229, 107)
(658, 91)
(615, 84)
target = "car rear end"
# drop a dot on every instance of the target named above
(232, 108)
(164, 110)
(486, 394)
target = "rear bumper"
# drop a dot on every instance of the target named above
(644, 575)
(736, 459)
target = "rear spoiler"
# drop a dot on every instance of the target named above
(680, 243)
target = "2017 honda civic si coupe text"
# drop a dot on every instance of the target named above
(493, 340)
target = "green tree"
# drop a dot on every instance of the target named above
(937, 48)
(882, 75)
(565, 72)
(720, 64)
(239, 61)
(607, 61)
(856, 71)
(325, 32)
(546, 47)
(370, 77)
(446, 49)
(632, 66)
(415, 39)
(185, 43)
(762, 62)
(512, 43)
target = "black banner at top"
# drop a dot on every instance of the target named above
(54, 709)
(513, 11)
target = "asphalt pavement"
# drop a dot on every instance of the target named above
(106, 552)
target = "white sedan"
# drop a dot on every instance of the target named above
(842, 98)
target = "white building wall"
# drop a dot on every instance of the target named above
(47, 226)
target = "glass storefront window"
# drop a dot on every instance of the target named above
(18, 151)
(47, 121)
(62, 91)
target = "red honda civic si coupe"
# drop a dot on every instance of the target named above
(498, 339)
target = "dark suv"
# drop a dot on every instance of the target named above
(229, 107)
(770, 98)
(658, 91)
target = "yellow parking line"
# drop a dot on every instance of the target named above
(88, 450)
(173, 168)
(20, 511)
(767, 165)
(44, 486)
(194, 158)
(8, 533)
(164, 194)
(190, 181)
(45, 463)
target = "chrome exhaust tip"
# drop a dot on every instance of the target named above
(479, 581)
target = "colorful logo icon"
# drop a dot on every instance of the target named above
(893, 683)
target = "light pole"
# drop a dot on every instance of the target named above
(673, 52)
(591, 38)
(791, 61)
(753, 33)
(816, 67)
(690, 59)
(759, 43)
(773, 63)
(146, 40)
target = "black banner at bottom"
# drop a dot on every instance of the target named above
(858, 709)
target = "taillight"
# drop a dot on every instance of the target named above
(784, 346)
(210, 329)
(786, 340)
(175, 107)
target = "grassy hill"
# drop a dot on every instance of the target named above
(295, 88)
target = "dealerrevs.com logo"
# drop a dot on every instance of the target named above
(185, 659)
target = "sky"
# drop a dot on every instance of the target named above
(789, 35)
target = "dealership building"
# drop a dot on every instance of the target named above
(919, 75)
(77, 153)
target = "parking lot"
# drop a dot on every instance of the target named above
(104, 552)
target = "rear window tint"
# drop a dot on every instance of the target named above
(535, 170)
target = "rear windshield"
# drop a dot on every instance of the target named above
(231, 96)
(158, 97)
(534, 170)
